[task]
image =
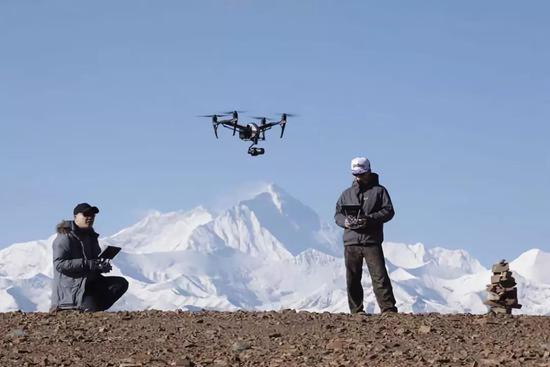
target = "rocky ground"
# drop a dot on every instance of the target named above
(283, 338)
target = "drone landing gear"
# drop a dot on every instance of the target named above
(254, 151)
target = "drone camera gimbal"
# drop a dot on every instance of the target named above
(254, 151)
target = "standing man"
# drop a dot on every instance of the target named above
(363, 236)
(78, 280)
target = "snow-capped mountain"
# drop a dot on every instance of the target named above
(159, 232)
(266, 252)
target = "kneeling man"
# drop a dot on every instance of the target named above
(78, 280)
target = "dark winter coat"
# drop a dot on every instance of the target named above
(72, 250)
(377, 209)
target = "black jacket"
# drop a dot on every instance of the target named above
(72, 250)
(377, 209)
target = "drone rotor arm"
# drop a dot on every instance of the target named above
(229, 125)
(283, 125)
(269, 125)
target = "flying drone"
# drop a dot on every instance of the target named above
(253, 131)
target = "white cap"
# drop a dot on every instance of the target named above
(360, 165)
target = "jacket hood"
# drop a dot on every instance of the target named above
(64, 227)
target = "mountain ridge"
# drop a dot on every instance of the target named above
(266, 252)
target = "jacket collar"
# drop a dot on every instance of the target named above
(69, 227)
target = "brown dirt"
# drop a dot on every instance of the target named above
(284, 338)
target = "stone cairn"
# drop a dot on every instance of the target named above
(502, 294)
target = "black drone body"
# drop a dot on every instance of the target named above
(253, 132)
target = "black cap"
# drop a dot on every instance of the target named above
(85, 208)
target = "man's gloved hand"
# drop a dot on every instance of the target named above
(347, 222)
(106, 267)
(355, 223)
(361, 222)
(100, 265)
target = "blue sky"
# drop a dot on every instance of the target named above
(449, 100)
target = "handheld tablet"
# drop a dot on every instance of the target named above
(352, 210)
(109, 252)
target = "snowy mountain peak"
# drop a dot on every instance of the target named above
(436, 261)
(159, 232)
(290, 221)
(404, 255)
(271, 224)
(271, 194)
(533, 265)
(456, 258)
(276, 195)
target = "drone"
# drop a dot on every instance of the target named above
(253, 131)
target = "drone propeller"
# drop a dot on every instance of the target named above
(284, 115)
(216, 116)
(232, 112)
(215, 122)
(261, 118)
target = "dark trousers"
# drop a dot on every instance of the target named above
(374, 257)
(102, 292)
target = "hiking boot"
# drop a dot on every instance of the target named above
(388, 313)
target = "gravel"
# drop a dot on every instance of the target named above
(274, 338)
